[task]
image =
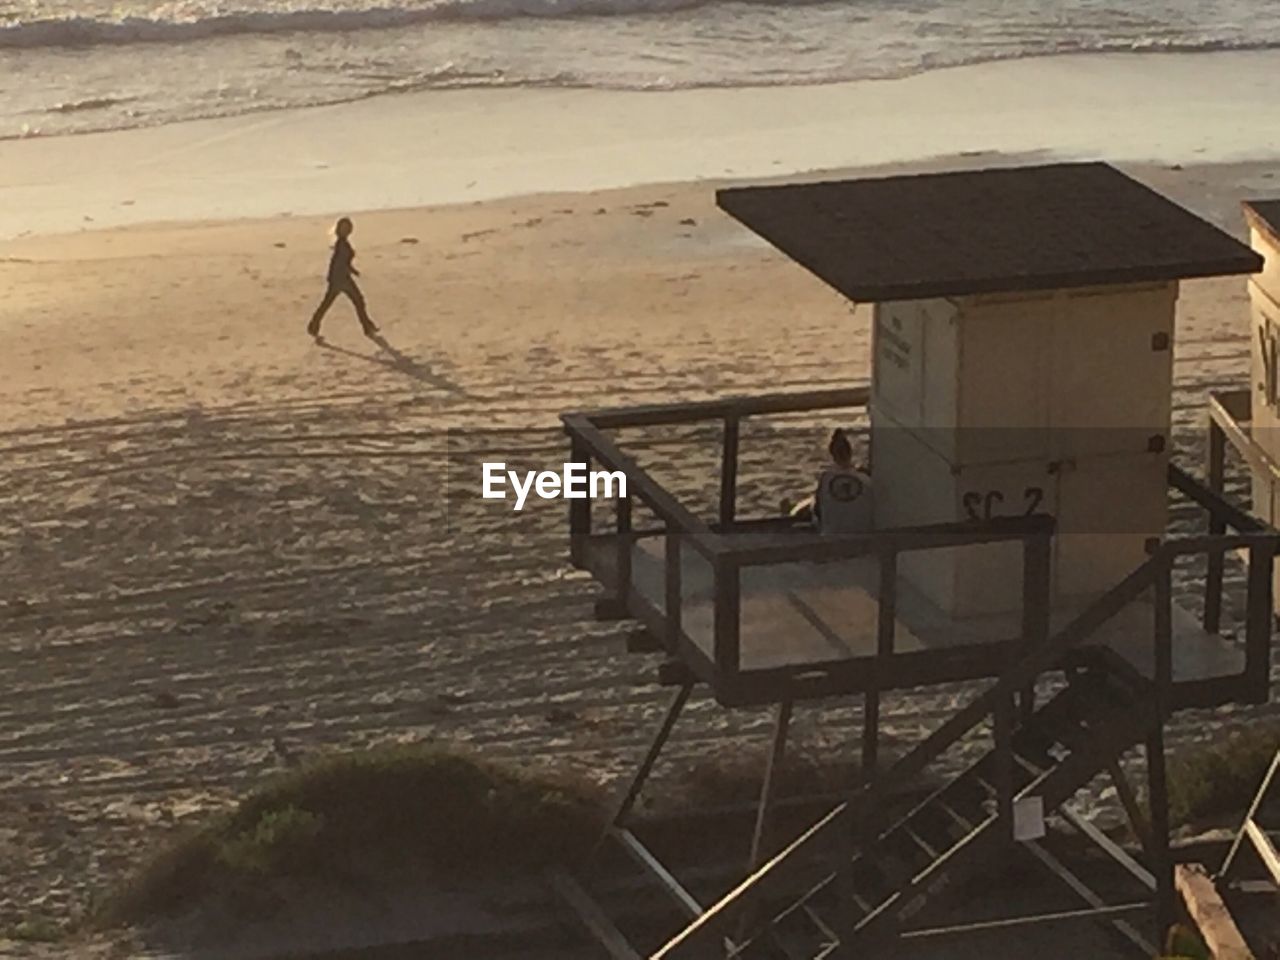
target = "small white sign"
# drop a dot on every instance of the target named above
(1028, 818)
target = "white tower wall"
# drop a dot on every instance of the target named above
(1000, 405)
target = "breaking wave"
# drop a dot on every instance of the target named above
(89, 31)
(94, 31)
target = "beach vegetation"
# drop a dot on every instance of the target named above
(1221, 777)
(37, 929)
(343, 818)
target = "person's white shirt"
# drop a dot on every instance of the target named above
(843, 501)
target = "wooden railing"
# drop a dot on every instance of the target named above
(861, 817)
(680, 527)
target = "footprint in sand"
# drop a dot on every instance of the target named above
(475, 234)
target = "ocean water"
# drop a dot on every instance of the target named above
(68, 66)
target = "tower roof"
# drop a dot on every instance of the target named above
(986, 231)
(1265, 215)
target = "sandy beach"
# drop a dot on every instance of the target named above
(228, 547)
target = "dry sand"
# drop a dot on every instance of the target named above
(226, 547)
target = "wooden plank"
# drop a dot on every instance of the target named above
(664, 877)
(801, 547)
(1215, 503)
(1009, 923)
(1210, 915)
(1266, 849)
(772, 878)
(1258, 459)
(1252, 812)
(736, 406)
(591, 916)
(1109, 846)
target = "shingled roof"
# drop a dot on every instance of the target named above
(984, 231)
(1265, 215)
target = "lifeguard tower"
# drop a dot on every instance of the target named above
(1020, 451)
(1249, 419)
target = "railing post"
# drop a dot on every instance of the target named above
(580, 508)
(728, 616)
(1259, 617)
(674, 584)
(1036, 600)
(729, 473)
(1163, 635)
(886, 628)
(1217, 527)
(1157, 783)
(624, 545)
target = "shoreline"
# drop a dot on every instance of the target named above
(461, 146)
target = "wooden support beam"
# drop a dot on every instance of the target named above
(777, 752)
(673, 888)
(886, 633)
(1266, 849)
(632, 793)
(591, 916)
(1108, 846)
(1217, 454)
(1210, 915)
(728, 618)
(1129, 800)
(1158, 803)
(1252, 812)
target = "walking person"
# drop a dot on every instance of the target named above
(342, 274)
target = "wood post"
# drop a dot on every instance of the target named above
(729, 473)
(1036, 601)
(655, 749)
(579, 509)
(1259, 617)
(674, 583)
(624, 545)
(886, 629)
(1161, 860)
(728, 617)
(1217, 527)
(1003, 723)
(781, 725)
(1163, 637)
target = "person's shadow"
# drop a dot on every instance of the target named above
(393, 359)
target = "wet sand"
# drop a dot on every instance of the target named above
(227, 547)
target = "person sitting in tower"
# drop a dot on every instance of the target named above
(841, 502)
